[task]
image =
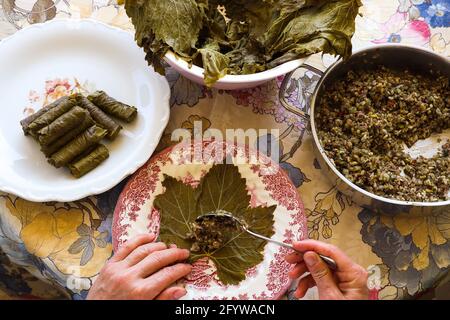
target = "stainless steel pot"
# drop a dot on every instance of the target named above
(393, 56)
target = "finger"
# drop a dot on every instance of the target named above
(173, 246)
(303, 286)
(298, 271)
(131, 245)
(160, 259)
(294, 258)
(321, 274)
(143, 251)
(355, 278)
(165, 277)
(342, 260)
(173, 293)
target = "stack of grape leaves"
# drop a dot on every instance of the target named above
(242, 36)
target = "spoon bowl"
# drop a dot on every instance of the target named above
(243, 225)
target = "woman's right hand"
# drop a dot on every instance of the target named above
(348, 282)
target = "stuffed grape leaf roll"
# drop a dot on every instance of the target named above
(62, 125)
(113, 107)
(77, 146)
(101, 118)
(25, 123)
(51, 115)
(89, 162)
(62, 141)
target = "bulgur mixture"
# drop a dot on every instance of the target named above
(211, 233)
(365, 121)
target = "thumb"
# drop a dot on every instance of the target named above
(322, 275)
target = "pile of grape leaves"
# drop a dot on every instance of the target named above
(222, 188)
(241, 36)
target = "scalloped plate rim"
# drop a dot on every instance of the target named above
(136, 164)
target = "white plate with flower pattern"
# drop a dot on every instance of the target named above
(267, 184)
(43, 62)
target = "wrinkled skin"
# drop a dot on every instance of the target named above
(348, 282)
(142, 270)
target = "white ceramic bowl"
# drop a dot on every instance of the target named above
(105, 57)
(231, 82)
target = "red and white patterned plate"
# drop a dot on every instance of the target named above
(267, 183)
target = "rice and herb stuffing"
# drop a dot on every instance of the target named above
(366, 120)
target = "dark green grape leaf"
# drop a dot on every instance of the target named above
(178, 208)
(327, 28)
(288, 11)
(222, 188)
(243, 251)
(174, 22)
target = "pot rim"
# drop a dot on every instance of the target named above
(327, 159)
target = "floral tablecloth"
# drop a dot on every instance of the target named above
(55, 250)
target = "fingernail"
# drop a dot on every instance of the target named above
(311, 259)
(179, 294)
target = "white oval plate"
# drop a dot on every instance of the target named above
(106, 58)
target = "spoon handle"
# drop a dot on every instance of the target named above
(330, 262)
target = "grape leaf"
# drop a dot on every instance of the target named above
(326, 27)
(175, 22)
(178, 208)
(222, 188)
(243, 251)
(215, 62)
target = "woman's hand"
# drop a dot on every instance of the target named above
(142, 270)
(348, 282)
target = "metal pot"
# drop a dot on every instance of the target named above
(392, 56)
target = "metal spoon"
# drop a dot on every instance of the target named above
(221, 213)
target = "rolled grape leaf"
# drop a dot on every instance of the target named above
(89, 162)
(25, 123)
(113, 107)
(101, 118)
(62, 125)
(77, 146)
(51, 115)
(222, 188)
(62, 141)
